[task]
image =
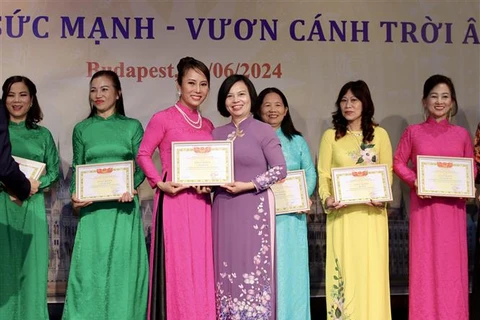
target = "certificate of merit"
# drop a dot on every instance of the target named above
(202, 163)
(445, 177)
(291, 194)
(31, 169)
(361, 184)
(104, 181)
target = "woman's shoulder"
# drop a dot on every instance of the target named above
(458, 127)
(129, 121)
(83, 124)
(461, 130)
(222, 129)
(329, 133)
(262, 130)
(208, 123)
(413, 129)
(416, 126)
(260, 125)
(299, 142)
(298, 138)
(164, 115)
(43, 130)
(380, 130)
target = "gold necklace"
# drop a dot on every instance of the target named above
(356, 135)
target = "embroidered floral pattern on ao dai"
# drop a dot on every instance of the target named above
(257, 296)
(244, 225)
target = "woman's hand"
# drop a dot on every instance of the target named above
(127, 197)
(16, 200)
(171, 188)
(330, 203)
(309, 207)
(238, 187)
(202, 189)
(34, 185)
(377, 204)
(416, 189)
(77, 204)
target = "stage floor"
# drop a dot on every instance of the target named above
(399, 308)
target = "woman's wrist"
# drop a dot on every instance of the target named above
(160, 185)
(325, 203)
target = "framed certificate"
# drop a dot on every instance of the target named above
(291, 194)
(202, 163)
(353, 185)
(31, 169)
(445, 177)
(104, 181)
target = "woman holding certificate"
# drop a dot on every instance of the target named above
(181, 256)
(109, 269)
(244, 210)
(24, 227)
(357, 277)
(293, 282)
(438, 273)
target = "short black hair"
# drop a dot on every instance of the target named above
(227, 84)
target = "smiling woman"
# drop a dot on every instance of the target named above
(438, 282)
(24, 241)
(181, 257)
(293, 281)
(104, 96)
(244, 211)
(112, 230)
(357, 235)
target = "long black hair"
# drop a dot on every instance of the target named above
(34, 114)
(287, 126)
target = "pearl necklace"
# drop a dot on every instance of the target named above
(195, 124)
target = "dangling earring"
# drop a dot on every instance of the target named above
(449, 115)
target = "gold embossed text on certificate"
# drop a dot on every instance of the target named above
(353, 185)
(104, 181)
(445, 177)
(202, 163)
(31, 169)
(291, 194)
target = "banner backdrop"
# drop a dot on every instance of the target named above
(307, 49)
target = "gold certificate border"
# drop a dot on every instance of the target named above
(343, 171)
(299, 177)
(180, 146)
(38, 167)
(464, 163)
(126, 166)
